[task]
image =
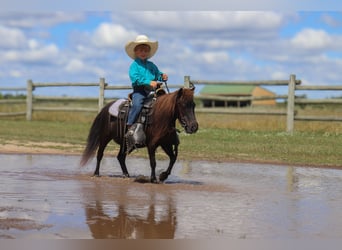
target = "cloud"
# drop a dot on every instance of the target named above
(11, 38)
(77, 66)
(110, 35)
(220, 45)
(208, 21)
(74, 65)
(331, 21)
(312, 39)
(27, 20)
(44, 54)
(214, 57)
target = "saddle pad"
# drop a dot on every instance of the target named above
(114, 108)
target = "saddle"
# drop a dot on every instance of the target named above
(135, 136)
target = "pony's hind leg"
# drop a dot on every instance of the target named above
(99, 156)
(98, 161)
(172, 152)
(122, 160)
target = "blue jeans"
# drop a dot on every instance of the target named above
(138, 98)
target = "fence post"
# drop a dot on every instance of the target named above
(101, 94)
(291, 104)
(186, 81)
(29, 100)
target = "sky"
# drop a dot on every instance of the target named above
(70, 45)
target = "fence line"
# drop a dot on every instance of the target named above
(318, 101)
(290, 113)
(11, 89)
(103, 86)
(291, 99)
(265, 82)
(30, 98)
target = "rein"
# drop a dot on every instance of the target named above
(167, 88)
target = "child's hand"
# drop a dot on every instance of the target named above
(154, 84)
(165, 77)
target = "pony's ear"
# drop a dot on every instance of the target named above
(192, 86)
(179, 93)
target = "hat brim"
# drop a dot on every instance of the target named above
(130, 46)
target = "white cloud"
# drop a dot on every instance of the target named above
(76, 66)
(11, 38)
(331, 21)
(312, 39)
(41, 19)
(15, 73)
(279, 75)
(112, 35)
(43, 54)
(214, 57)
(208, 21)
(208, 45)
(33, 44)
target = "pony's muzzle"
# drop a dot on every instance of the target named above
(192, 128)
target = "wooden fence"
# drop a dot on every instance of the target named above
(291, 99)
(6, 101)
(103, 86)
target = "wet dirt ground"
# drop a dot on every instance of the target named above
(50, 196)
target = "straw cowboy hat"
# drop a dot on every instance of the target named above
(141, 39)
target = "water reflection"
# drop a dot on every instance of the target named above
(292, 179)
(125, 215)
(50, 197)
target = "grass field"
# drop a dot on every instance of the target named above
(220, 137)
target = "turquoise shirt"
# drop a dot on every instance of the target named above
(142, 72)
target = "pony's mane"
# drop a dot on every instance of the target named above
(165, 103)
(164, 113)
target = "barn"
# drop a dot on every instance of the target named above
(237, 94)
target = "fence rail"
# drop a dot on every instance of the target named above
(17, 101)
(290, 113)
(291, 99)
(103, 86)
(263, 82)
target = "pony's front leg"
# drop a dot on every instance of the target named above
(172, 152)
(152, 155)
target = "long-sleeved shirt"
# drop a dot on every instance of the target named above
(142, 72)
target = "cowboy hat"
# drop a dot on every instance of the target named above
(141, 39)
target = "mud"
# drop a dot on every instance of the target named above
(49, 196)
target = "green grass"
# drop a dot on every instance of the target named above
(220, 137)
(212, 144)
(303, 148)
(38, 131)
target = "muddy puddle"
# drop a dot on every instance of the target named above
(49, 196)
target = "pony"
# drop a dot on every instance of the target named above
(160, 131)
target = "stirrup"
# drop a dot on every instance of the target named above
(135, 137)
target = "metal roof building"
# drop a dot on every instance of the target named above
(235, 96)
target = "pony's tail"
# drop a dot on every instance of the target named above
(99, 126)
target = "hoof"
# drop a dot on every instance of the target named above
(154, 180)
(142, 179)
(163, 176)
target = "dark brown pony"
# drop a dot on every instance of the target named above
(161, 131)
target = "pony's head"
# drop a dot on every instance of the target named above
(185, 107)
